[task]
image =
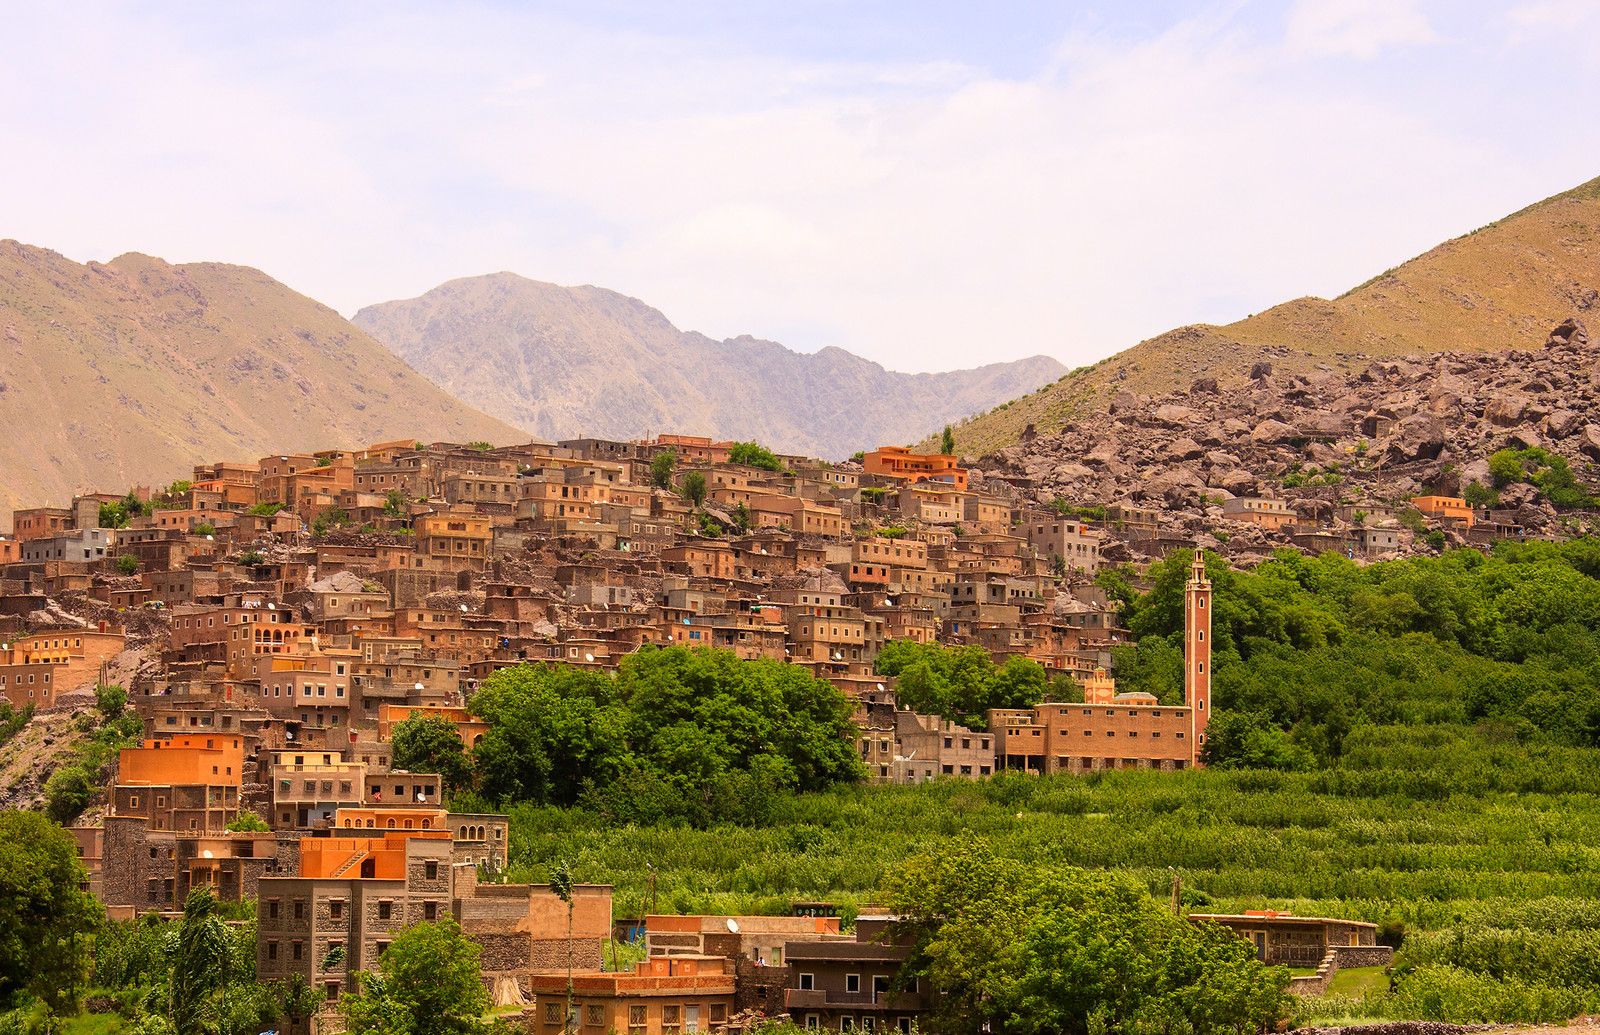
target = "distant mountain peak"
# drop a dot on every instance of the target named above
(566, 361)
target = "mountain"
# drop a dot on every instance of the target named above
(568, 361)
(1499, 288)
(125, 372)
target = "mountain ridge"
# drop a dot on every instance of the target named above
(584, 360)
(118, 373)
(1502, 286)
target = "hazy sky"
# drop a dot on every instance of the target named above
(929, 184)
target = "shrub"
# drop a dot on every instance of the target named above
(127, 564)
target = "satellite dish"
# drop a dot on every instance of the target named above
(686, 621)
(288, 734)
(588, 657)
(733, 926)
(272, 607)
(206, 854)
(463, 608)
(419, 686)
(880, 686)
(421, 796)
(211, 538)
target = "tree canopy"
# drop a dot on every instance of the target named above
(1042, 950)
(45, 920)
(960, 683)
(428, 983)
(1318, 647)
(753, 454)
(430, 744)
(676, 731)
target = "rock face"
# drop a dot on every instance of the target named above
(562, 362)
(1378, 436)
(135, 370)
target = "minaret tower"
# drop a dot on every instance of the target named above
(1197, 653)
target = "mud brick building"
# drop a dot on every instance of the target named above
(851, 985)
(352, 896)
(1282, 939)
(662, 995)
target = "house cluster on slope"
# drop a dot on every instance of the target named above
(275, 621)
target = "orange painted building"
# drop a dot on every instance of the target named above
(470, 730)
(382, 858)
(900, 462)
(186, 759)
(662, 995)
(1445, 508)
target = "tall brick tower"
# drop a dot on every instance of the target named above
(1197, 653)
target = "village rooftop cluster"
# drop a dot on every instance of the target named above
(293, 611)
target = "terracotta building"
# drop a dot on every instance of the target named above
(662, 995)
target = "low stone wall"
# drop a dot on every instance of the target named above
(1403, 1028)
(1340, 957)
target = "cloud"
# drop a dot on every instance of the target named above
(926, 213)
(1360, 29)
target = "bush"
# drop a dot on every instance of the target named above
(127, 564)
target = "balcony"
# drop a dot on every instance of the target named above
(819, 999)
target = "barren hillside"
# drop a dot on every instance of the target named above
(1499, 288)
(124, 372)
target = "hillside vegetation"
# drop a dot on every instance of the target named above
(1409, 743)
(1498, 288)
(120, 373)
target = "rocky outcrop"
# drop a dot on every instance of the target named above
(1393, 430)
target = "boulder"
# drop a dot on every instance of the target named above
(1183, 449)
(1589, 441)
(1270, 431)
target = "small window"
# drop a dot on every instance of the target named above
(808, 981)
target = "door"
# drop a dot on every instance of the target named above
(691, 1018)
(1260, 940)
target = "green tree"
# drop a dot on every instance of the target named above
(431, 744)
(661, 467)
(428, 983)
(694, 488)
(959, 683)
(947, 441)
(753, 454)
(1054, 950)
(127, 564)
(248, 821)
(200, 963)
(111, 700)
(395, 503)
(45, 920)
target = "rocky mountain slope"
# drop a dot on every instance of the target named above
(568, 361)
(123, 372)
(1397, 428)
(1499, 288)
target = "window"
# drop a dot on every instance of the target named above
(880, 985)
(299, 911)
(552, 1013)
(847, 1024)
(430, 910)
(852, 982)
(808, 981)
(297, 950)
(595, 1015)
(385, 909)
(636, 1016)
(813, 1022)
(336, 908)
(430, 870)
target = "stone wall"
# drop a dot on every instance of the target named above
(1340, 957)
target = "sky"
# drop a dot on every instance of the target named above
(929, 184)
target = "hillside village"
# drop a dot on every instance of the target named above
(274, 622)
